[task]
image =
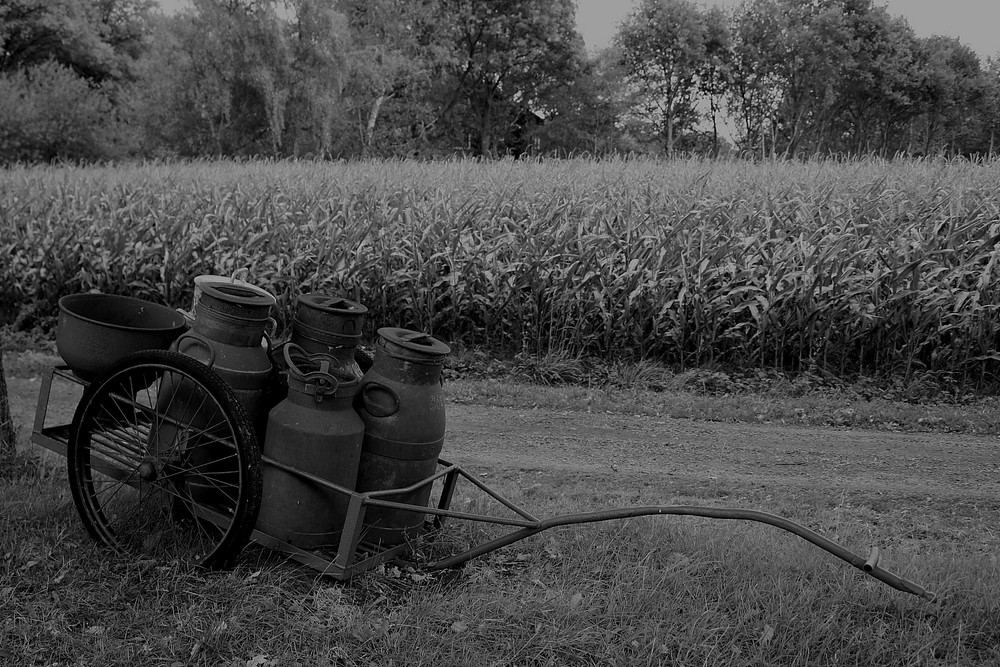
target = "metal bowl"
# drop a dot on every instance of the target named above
(96, 330)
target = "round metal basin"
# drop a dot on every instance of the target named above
(96, 330)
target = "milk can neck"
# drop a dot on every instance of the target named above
(405, 370)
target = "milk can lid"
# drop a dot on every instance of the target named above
(332, 304)
(241, 294)
(414, 340)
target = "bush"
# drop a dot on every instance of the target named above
(48, 113)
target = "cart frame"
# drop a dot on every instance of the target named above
(354, 555)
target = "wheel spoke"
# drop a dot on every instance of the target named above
(164, 462)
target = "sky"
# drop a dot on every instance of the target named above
(974, 22)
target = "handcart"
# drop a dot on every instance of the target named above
(185, 486)
(165, 462)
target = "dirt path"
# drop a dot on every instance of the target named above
(939, 464)
(954, 477)
(629, 445)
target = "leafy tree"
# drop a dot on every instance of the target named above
(319, 69)
(586, 114)
(64, 68)
(877, 94)
(507, 57)
(951, 88)
(233, 73)
(790, 59)
(393, 57)
(245, 78)
(663, 46)
(97, 39)
(49, 113)
(715, 71)
(991, 104)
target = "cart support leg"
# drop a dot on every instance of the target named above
(447, 493)
(351, 535)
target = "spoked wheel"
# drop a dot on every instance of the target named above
(164, 463)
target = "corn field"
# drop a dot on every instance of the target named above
(874, 267)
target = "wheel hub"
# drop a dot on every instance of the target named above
(147, 471)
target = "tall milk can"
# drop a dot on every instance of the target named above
(316, 430)
(228, 335)
(401, 402)
(329, 325)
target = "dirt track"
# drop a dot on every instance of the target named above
(937, 464)
(953, 479)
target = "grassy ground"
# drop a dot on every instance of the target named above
(638, 592)
(629, 593)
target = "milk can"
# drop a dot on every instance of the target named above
(229, 325)
(329, 325)
(316, 430)
(229, 336)
(401, 402)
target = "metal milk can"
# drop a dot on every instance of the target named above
(230, 320)
(230, 324)
(316, 430)
(401, 402)
(329, 325)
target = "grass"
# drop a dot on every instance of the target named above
(650, 591)
(728, 274)
(639, 592)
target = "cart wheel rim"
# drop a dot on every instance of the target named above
(164, 463)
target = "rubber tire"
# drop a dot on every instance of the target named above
(106, 413)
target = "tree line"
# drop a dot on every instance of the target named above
(108, 79)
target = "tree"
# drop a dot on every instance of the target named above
(232, 77)
(663, 45)
(952, 89)
(715, 71)
(877, 100)
(98, 39)
(992, 104)
(586, 114)
(49, 113)
(320, 51)
(789, 60)
(392, 58)
(64, 69)
(508, 57)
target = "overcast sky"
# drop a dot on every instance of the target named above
(975, 22)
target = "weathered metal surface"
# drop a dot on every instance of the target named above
(402, 404)
(329, 325)
(96, 330)
(229, 330)
(315, 428)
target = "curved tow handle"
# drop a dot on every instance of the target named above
(867, 565)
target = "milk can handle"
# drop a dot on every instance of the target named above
(323, 384)
(414, 337)
(201, 341)
(324, 381)
(369, 404)
(270, 328)
(287, 351)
